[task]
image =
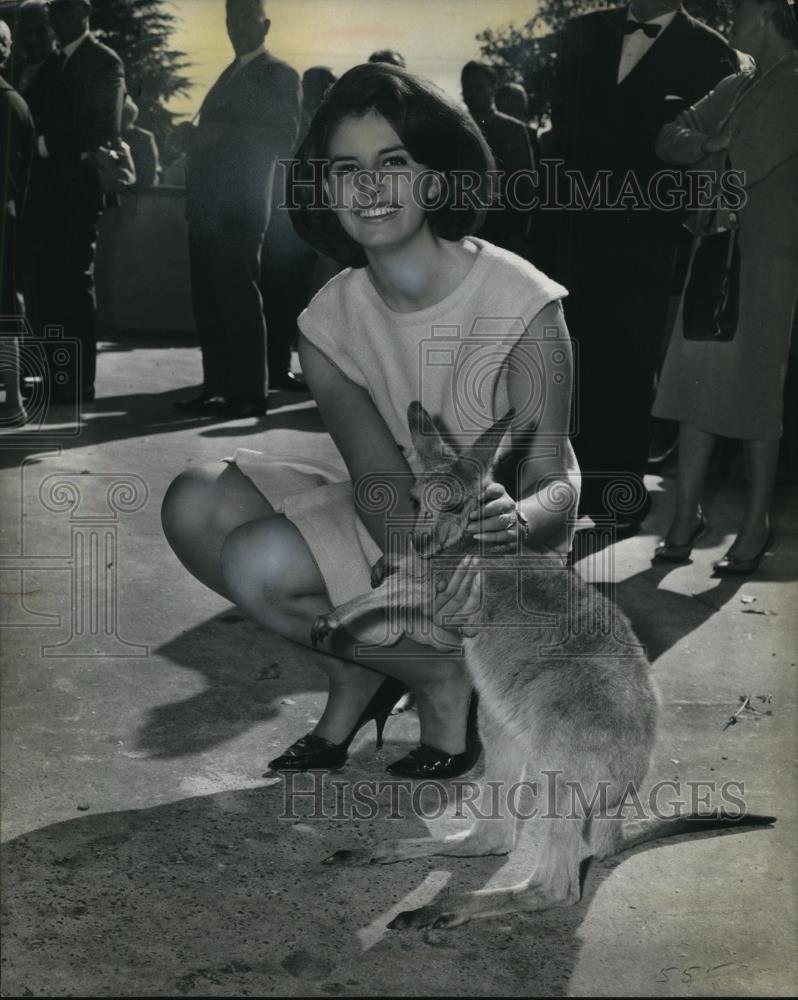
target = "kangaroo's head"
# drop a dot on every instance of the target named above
(450, 484)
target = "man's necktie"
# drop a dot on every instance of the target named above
(649, 30)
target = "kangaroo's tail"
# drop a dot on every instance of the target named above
(635, 832)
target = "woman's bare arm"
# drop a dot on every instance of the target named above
(360, 434)
(549, 475)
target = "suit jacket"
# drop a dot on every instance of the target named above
(83, 111)
(248, 120)
(17, 140)
(599, 123)
(36, 96)
(508, 139)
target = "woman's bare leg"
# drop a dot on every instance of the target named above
(269, 572)
(285, 593)
(695, 451)
(200, 509)
(761, 460)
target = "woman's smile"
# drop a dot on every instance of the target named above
(379, 213)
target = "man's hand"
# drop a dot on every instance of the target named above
(495, 521)
(689, 119)
(721, 141)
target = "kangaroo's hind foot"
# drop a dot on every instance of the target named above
(485, 837)
(555, 882)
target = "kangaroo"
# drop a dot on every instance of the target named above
(564, 690)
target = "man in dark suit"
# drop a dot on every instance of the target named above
(623, 73)
(506, 226)
(81, 114)
(33, 64)
(248, 120)
(17, 140)
(35, 42)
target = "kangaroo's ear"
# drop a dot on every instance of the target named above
(484, 449)
(429, 445)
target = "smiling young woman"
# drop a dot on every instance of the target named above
(424, 311)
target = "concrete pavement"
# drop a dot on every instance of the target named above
(144, 852)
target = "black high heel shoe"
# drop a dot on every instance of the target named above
(667, 552)
(733, 566)
(430, 762)
(314, 753)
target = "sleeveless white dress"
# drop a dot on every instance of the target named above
(452, 356)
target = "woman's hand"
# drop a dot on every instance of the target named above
(460, 596)
(495, 521)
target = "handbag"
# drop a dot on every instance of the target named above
(711, 303)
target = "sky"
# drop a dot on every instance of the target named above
(435, 36)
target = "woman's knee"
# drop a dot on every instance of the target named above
(188, 505)
(259, 563)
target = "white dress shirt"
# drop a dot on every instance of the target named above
(637, 43)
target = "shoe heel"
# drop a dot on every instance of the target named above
(379, 721)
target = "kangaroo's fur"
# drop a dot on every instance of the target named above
(564, 687)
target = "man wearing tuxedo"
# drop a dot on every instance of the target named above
(622, 74)
(80, 113)
(248, 120)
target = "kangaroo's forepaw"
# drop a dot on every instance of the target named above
(437, 916)
(322, 627)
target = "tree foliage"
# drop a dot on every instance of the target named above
(526, 54)
(140, 32)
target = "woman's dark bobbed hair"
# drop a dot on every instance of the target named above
(434, 130)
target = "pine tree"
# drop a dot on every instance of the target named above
(527, 54)
(139, 31)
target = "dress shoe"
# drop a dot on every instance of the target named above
(732, 566)
(201, 404)
(14, 418)
(429, 762)
(666, 552)
(314, 753)
(242, 409)
(287, 382)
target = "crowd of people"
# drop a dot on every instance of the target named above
(423, 216)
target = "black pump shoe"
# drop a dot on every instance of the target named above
(429, 762)
(733, 566)
(314, 753)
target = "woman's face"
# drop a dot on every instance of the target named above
(748, 26)
(375, 187)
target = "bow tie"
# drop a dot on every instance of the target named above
(649, 30)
